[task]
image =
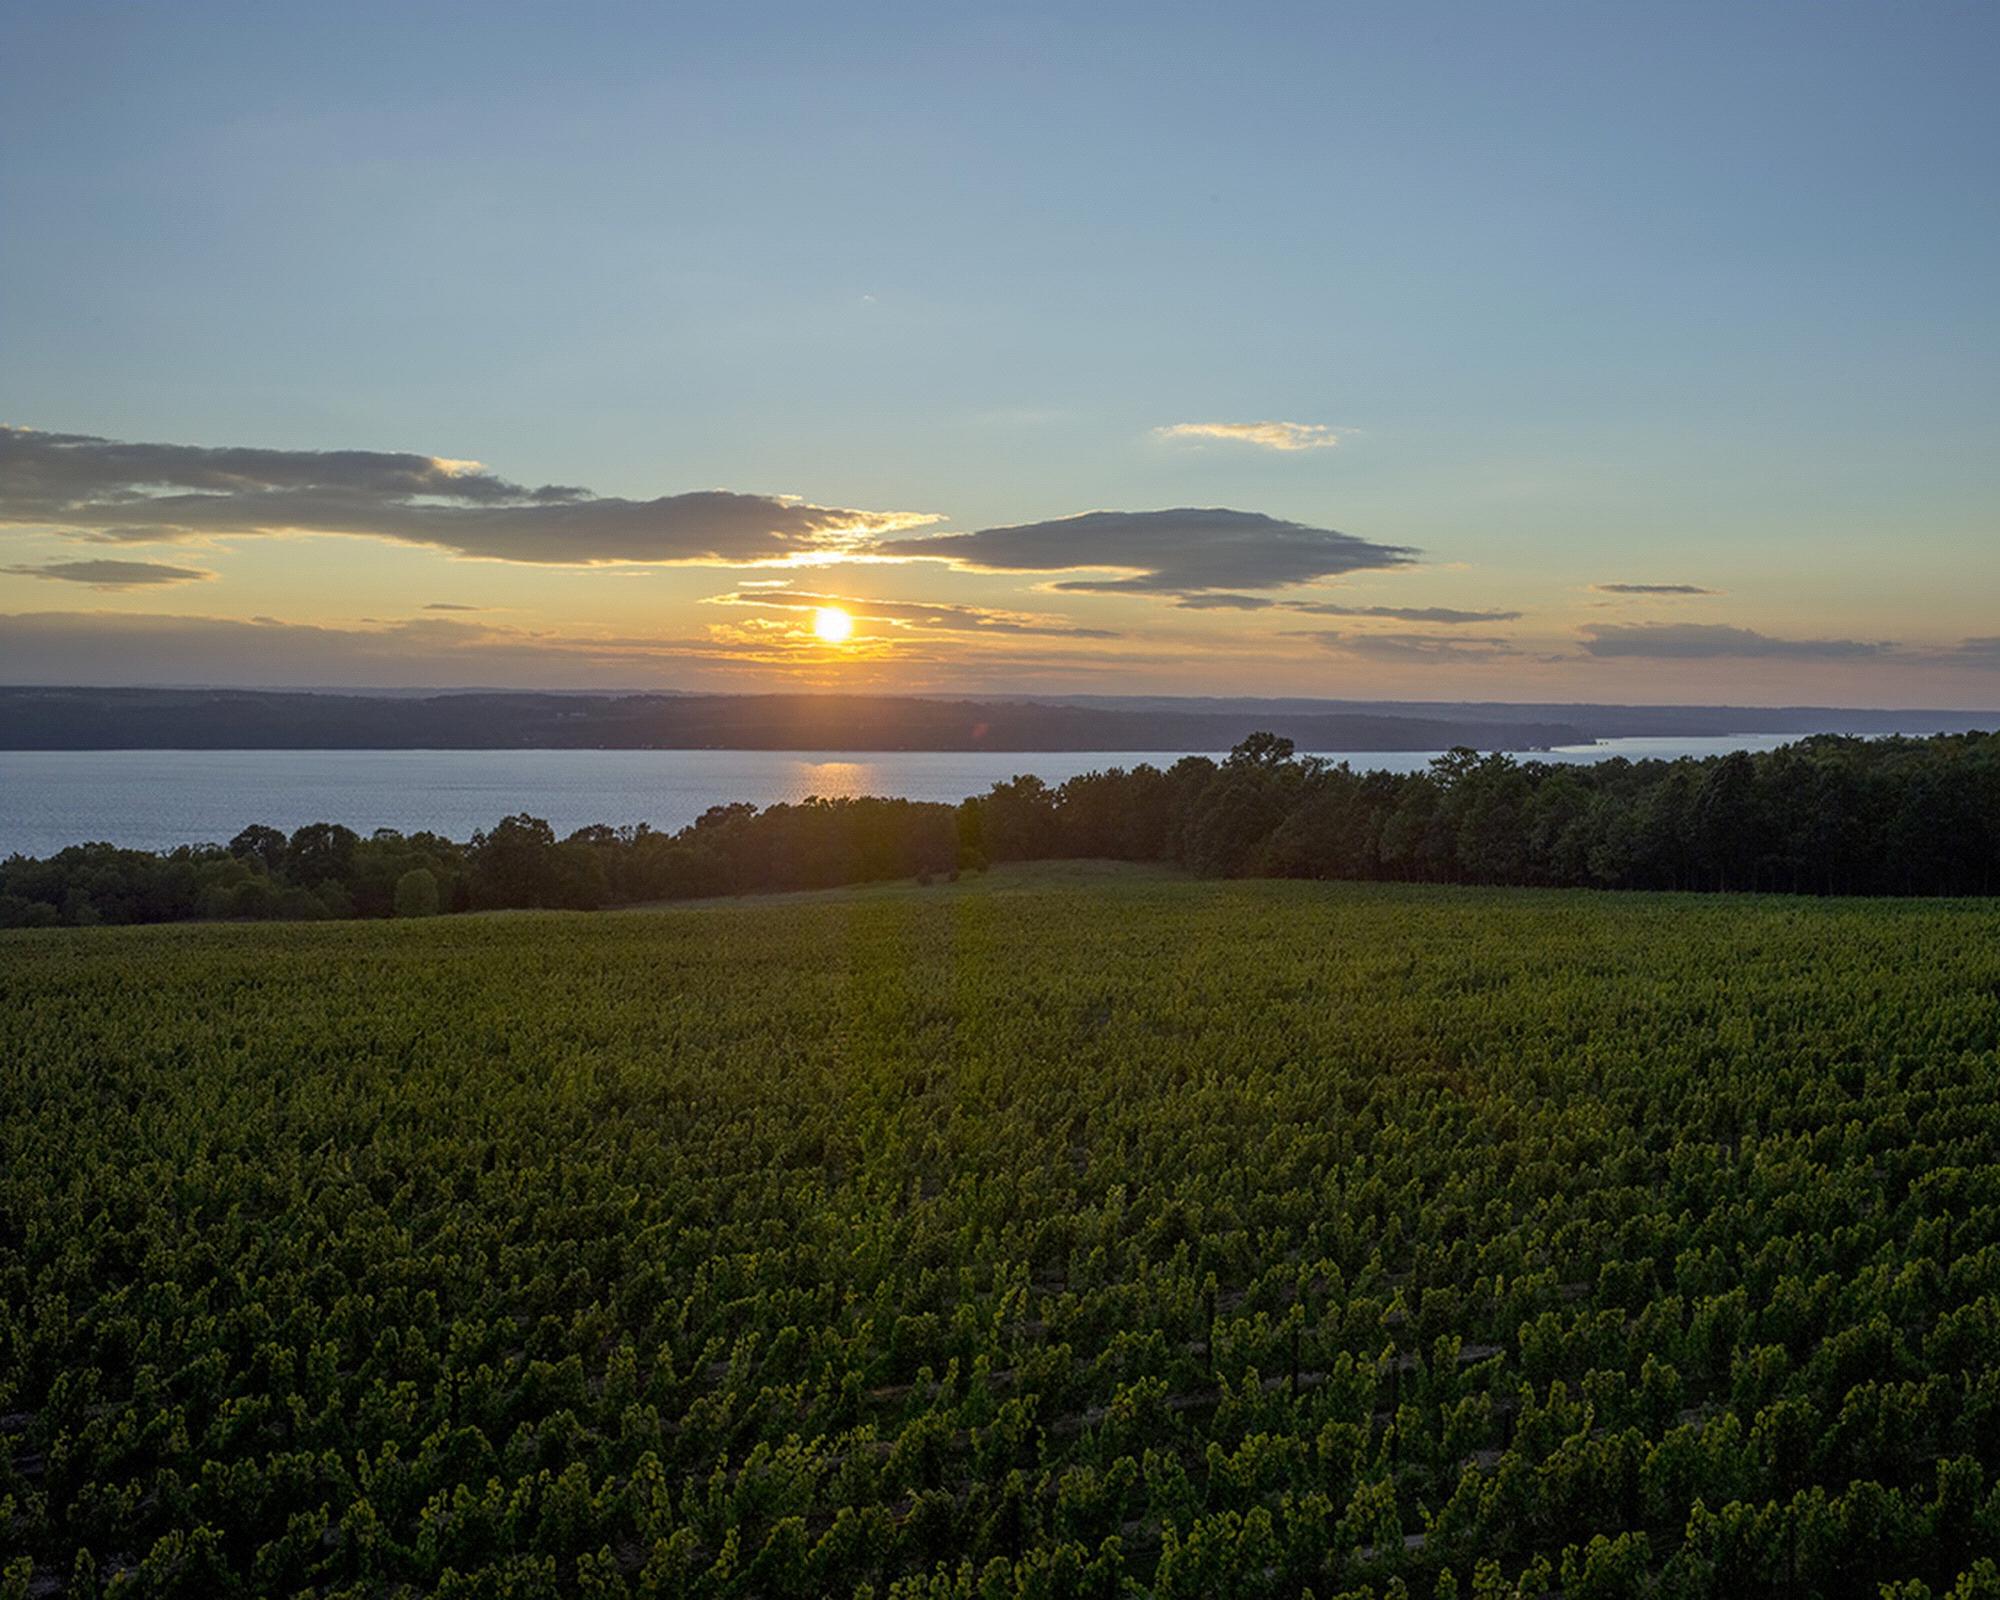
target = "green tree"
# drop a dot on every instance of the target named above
(1725, 821)
(417, 893)
(262, 844)
(320, 852)
(513, 864)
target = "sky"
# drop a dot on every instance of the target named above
(1524, 351)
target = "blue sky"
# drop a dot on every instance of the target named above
(1584, 293)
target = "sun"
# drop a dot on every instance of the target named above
(832, 624)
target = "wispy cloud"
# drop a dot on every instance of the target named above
(1447, 615)
(1417, 646)
(1216, 601)
(1701, 641)
(1187, 551)
(111, 574)
(935, 616)
(446, 605)
(121, 493)
(1268, 435)
(1441, 614)
(1651, 588)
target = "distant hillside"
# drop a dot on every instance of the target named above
(1601, 721)
(243, 719)
(235, 719)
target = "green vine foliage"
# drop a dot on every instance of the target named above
(1058, 1232)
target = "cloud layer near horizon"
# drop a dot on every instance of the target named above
(1184, 551)
(92, 491)
(112, 492)
(122, 648)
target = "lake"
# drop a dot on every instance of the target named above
(154, 799)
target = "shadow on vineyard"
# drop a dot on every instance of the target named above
(1061, 1231)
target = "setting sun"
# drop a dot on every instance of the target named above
(832, 624)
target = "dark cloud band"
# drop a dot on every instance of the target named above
(111, 574)
(1702, 641)
(1183, 552)
(147, 493)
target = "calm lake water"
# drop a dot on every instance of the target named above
(154, 799)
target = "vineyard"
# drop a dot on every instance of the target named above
(1062, 1231)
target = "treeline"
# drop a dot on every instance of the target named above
(325, 870)
(1828, 815)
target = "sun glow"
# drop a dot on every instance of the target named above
(832, 624)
